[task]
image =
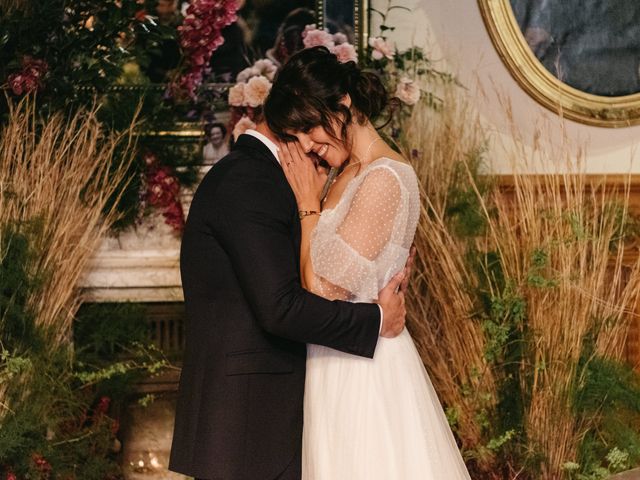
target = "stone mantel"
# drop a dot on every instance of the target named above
(141, 264)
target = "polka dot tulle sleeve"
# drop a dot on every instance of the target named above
(360, 244)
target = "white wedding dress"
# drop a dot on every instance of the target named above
(380, 418)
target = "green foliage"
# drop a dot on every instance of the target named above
(17, 322)
(536, 276)
(59, 414)
(104, 330)
(609, 396)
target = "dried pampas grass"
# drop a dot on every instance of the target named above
(61, 173)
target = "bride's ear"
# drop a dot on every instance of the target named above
(346, 100)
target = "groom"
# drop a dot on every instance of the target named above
(239, 412)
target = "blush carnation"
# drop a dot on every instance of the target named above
(256, 91)
(236, 95)
(345, 53)
(407, 91)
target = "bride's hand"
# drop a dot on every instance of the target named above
(306, 179)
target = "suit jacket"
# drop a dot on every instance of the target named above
(239, 410)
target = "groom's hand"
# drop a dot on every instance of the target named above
(391, 299)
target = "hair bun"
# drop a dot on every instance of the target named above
(368, 93)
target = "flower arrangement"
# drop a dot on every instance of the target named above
(254, 83)
(248, 94)
(162, 191)
(200, 35)
(337, 43)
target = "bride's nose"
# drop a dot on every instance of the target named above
(305, 142)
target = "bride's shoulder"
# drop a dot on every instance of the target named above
(398, 164)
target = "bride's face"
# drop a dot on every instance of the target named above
(328, 148)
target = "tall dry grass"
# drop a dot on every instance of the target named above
(555, 244)
(441, 301)
(560, 240)
(60, 174)
(8, 6)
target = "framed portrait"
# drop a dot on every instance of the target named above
(579, 58)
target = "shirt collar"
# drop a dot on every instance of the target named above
(267, 141)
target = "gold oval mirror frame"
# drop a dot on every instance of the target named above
(544, 87)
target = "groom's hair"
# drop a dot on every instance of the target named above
(308, 92)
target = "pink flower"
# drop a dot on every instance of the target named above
(236, 95)
(11, 476)
(381, 48)
(313, 37)
(41, 463)
(407, 91)
(30, 78)
(201, 34)
(340, 38)
(345, 53)
(242, 126)
(256, 91)
(174, 216)
(103, 406)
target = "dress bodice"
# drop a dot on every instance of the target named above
(363, 241)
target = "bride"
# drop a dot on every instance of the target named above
(364, 418)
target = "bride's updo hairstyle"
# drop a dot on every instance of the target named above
(308, 90)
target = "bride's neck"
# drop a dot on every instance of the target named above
(365, 138)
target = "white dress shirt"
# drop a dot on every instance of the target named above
(274, 149)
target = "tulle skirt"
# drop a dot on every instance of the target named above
(375, 419)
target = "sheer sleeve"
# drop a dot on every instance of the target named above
(343, 258)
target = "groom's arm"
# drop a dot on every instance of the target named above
(255, 222)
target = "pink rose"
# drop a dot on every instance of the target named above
(407, 91)
(236, 95)
(345, 53)
(312, 37)
(244, 124)
(256, 91)
(381, 48)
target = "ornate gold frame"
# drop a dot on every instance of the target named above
(538, 82)
(360, 20)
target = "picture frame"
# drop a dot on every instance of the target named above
(548, 84)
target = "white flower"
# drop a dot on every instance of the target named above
(381, 48)
(244, 75)
(407, 91)
(236, 95)
(266, 68)
(244, 124)
(256, 91)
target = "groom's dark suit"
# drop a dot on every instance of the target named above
(239, 413)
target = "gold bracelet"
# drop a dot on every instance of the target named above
(306, 213)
